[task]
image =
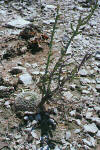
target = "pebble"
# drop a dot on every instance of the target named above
(57, 148)
(25, 79)
(96, 120)
(90, 128)
(77, 131)
(52, 7)
(98, 134)
(7, 104)
(34, 135)
(72, 113)
(97, 56)
(78, 122)
(19, 22)
(84, 81)
(91, 142)
(68, 135)
(85, 92)
(83, 73)
(98, 80)
(68, 95)
(17, 136)
(89, 115)
(98, 87)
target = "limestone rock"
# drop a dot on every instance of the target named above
(19, 22)
(83, 73)
(25, 79)
(90, 128)
(98, 87)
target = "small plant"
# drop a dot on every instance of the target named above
(55, 75)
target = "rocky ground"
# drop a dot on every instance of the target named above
(72, 120)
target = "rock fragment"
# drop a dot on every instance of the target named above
(90, 128)
(25, 79)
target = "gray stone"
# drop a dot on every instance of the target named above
(97, 121)
(85, 92)
(77, 131)
(34, 135)
(25, 79)
(97, 55)
(57, 148)
(98, 88)
(83, 73)
(73, 86)
(17, 23)
(68, 95)
(49, 22)
(7, 104)
(89, 115)
(98, 134)
(90, 128)
(49, 7)
(35, 65)
(84, 81)
(91, 142)
(72, 113)
(97, 108)
(98, 80)
(98, 65)
(5, 91)
(68, 135)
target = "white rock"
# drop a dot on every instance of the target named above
(52, 7)
(84, 81)
(34, 134)
(98, 87)
(98, 134)
(89, 115)
(68, 135)
(68, 95)
(17, 136)
(83, 73)
(77, 131)
(93, 141)
(57, 148)
(69, 50)
(7, 104)
(18, 22)
(25, 79)
(97, 108)
(97, 57)
(85, 92)
(78, 122)
(48, 22)
(96, 120)
(86, 142)
(34, 65)
(91, 128)
(72, 113)
(35, 72)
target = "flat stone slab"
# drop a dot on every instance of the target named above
(17, 23)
